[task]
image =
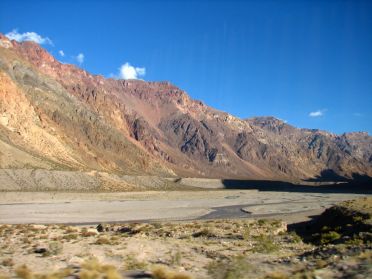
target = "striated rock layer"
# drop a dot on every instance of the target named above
(58, 117)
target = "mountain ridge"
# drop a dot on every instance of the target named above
(92, 120)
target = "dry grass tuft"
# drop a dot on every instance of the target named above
(160, 272)
(7, 262)
(93, 269)
(206, 232)
(54, 248)
(86, 233)
(265, 244)
(131, 263)
(103, 241)
(24, 272)
(277, 275)
(70, 236)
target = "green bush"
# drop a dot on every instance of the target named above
(265, 244)
(329, 237)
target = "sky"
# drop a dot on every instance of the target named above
(306, 62)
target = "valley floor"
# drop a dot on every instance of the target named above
(90, 208)
(216, 234)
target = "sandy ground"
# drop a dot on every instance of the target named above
(184, 247)
(90, 208)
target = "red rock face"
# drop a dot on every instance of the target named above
(166, 130)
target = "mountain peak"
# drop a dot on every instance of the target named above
(34, 52)
(5, 42)
(270, 123)
(267, 119)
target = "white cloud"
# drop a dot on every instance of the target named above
(317, 113)
(80, 58)
(61, 53)
(127, 71)
(28, 36)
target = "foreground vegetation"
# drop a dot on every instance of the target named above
(336, 245)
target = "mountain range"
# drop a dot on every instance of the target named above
(56, 116)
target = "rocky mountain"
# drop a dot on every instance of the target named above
(57, 116)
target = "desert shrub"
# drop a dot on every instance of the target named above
(320, 263)
(176, 258)
(70, 236)
(43, 236)
(114, 239)
(294, 237)
(157, 225)
(24, 272)
(88, 274)
(131, 263)
(366, 255)
(325, 229)
(358, 219)
(246, 233)
(262, 222)
(160, 272)
(55, 248)
(264, 244)
(329, 237)
(236, 268)
(103, 241)
(303, 274)
(93, 269)
(85, 233)
(206, 232)
(355, 241)
(7, 262)
(70, 230)
(63, 273)
(276, 275)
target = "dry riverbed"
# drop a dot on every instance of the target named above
(89, 208)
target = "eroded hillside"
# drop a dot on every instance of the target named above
(59, 117)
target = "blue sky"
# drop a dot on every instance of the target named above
(307, 62)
